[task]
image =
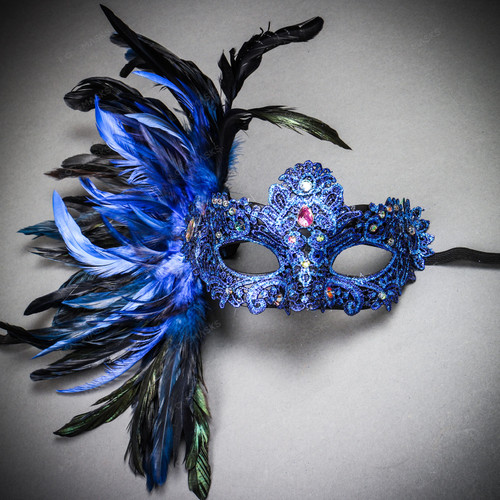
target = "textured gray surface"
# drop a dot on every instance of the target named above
(379, 406)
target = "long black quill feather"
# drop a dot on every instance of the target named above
(152, 56)
(82, 96)
(249, 57)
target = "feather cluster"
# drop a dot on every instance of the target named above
(133, 305)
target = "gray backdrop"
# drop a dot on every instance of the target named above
(383, 405)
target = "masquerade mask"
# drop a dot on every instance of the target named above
(155, 235)
(307, 225)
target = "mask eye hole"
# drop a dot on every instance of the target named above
(361, 260)
(251, 258)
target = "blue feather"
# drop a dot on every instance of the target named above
(94, 259)
(156, 122)
(162, 430)
(113, 133)
(46, 228)
(179, 94)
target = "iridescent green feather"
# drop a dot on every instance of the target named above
(145, 407)
(286, 117)
(197, 463)
(115, 404)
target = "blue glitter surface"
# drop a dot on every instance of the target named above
(307, 225)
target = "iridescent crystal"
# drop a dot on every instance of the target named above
(305, 217)
(190, 230)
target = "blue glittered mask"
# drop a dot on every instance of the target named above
(307, 225)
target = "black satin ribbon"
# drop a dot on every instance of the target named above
(463, 254)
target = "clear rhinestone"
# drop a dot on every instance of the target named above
(306, 185)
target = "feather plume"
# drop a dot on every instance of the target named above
(134, 305)
(249, 57)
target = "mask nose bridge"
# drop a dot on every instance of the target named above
(304, 269)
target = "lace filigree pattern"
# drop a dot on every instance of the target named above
(307, 225)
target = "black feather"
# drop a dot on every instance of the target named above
(145, 408)
(104, 151)
(234, 121)
(80, 283)
(59, 254)
(16, 335)
(151, 56)
(249, 57)
(88, 165)
(79, 203)
(55, 298)
(82, 96)
(286, 117)
(77, 361)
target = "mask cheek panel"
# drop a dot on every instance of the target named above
(252, 279)
(252, 258)
(361, 260)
